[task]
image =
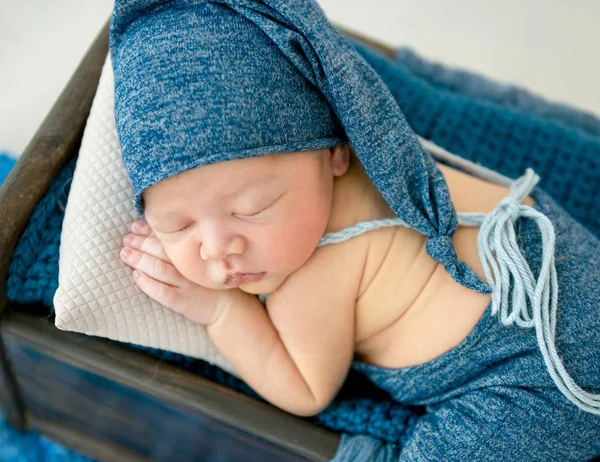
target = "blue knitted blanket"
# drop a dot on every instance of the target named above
(464, 113)
(508, 95)
(6, 163)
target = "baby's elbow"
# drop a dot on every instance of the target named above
(308, 411)
(308, 407)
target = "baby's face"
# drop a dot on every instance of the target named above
(245, 223)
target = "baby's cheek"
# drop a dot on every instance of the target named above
(301, 239)
(189, 267)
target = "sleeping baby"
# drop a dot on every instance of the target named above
(254, 224)
(271, 165)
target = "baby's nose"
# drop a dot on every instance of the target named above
(220, 249)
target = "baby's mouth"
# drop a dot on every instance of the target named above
(237, 279)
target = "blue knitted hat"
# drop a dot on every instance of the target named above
(197, 83)
(205, 81)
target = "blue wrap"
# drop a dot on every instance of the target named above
(199, 82)
(491, 398)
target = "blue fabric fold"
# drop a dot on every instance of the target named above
(442, 250)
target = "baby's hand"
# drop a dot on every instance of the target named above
(156, 276)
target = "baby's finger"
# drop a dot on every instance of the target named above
(150, 245)
(158, 269)
(141, 227)
(163, 293)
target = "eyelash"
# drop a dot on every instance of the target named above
(239, 215)
(261, 211)
(235, 214)
(179, 230)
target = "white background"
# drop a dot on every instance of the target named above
(549, 46)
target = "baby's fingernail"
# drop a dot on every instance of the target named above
(138, 226)
(127, 240)
(125, 253)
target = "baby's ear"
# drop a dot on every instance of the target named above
(340, 159)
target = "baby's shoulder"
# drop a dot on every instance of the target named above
(334, 272)
(352, 265)
(342, 262)
(391, 250)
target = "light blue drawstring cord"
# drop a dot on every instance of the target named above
(358, 229)
(497, 235)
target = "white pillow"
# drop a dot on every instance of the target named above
(96, 292)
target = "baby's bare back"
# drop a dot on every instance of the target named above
(409, 310)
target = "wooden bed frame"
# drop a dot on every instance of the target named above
(101, 398)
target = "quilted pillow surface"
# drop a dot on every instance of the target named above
(96, 292)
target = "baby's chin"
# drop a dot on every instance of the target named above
(254, 288)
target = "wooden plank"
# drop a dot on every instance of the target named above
(93, 409)
(81, 442)
(54, 143)
(385, 49)
(43, 356)
(10, 398)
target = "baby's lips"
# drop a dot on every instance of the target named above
(234, 280)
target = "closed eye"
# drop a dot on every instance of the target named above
(254, 215)
(260, 212)
(173, 232)
(182, 229)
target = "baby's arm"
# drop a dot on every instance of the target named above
(297, 353)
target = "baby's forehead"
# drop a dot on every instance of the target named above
(227, 180)
(195, 186)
